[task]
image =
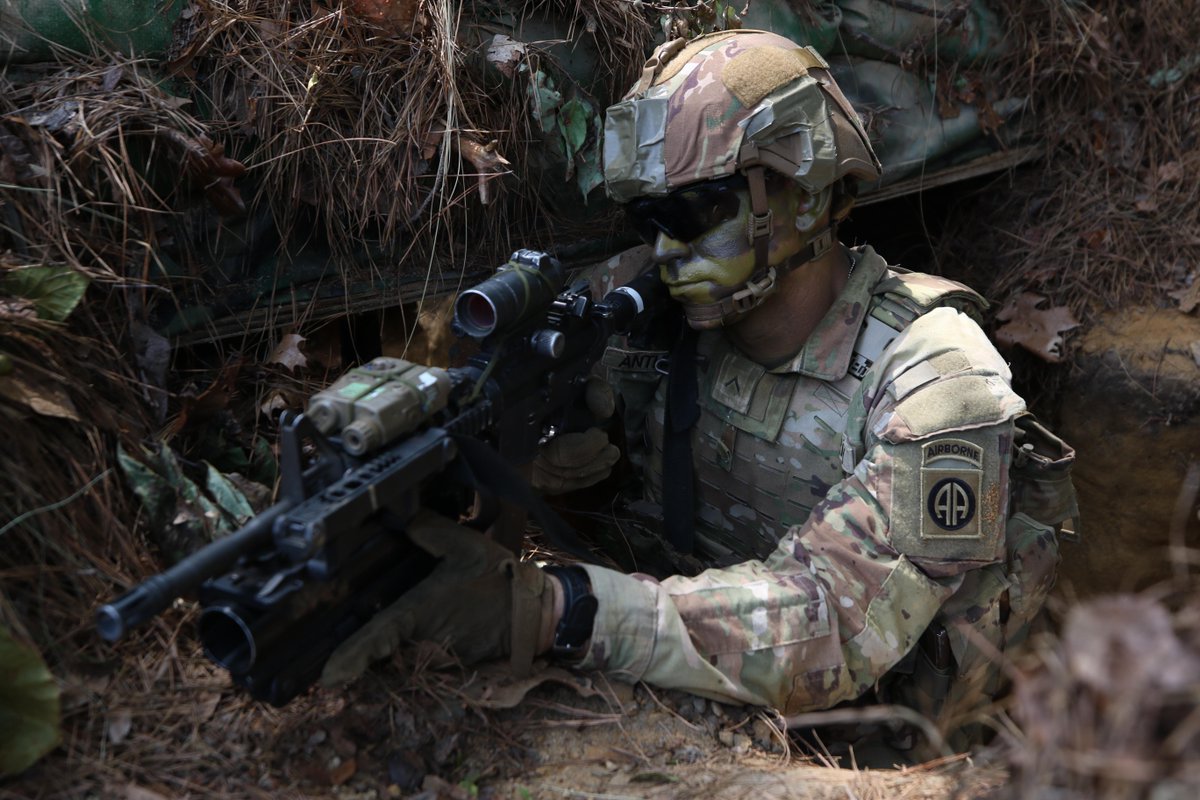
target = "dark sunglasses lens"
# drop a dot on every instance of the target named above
(705, 208)
(640, 216)
(687, 213)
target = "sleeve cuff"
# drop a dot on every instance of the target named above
(625, 629)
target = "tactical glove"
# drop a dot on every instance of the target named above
(574, 461)
(578, 460)
(479, 601)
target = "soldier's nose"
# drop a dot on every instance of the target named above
(668, 251)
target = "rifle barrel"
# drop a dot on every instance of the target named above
(149, 598)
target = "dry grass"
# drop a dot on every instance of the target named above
(1111, 215)
(1111, 710)
(390, 135)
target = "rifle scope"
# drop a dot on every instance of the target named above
(523, 287)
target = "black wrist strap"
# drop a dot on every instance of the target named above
(579, 612)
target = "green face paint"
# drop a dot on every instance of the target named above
(718, 262)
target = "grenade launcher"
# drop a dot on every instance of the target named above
(280, 594)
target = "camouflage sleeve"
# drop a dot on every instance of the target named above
(847, 594)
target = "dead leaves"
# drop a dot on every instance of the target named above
(39, 394)
(489, 164)
(1189, 295)
(1037, 330)
(287, 352)
(205, 163)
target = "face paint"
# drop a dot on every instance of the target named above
(718, 262)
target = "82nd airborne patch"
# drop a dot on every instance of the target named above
(951, 473)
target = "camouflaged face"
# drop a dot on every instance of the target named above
(724, 102)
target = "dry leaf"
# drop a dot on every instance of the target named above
(505, 53)
(206, 705)
(40, 396)
(138, 793)
(287, 352)
(394, 15)
(1097, 239)
(17, 308)
(487, 162)
(1145, 203)
(1196, 352)
(1188, 297)
(343, 772)
(272, 404)
(496, 687)
(1038, 331)
(1170, 172)
(120, 722)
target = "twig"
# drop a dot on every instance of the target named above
(54, 506)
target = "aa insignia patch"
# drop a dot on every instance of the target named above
(951, 473)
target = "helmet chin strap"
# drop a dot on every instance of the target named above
(762, 281)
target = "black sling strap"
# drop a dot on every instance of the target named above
(681, 413)
(483, 468)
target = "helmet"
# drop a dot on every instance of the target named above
(729, 101)
(736, 101)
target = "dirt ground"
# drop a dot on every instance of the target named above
(1131, 412)
(170, 726)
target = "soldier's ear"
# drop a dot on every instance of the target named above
(813, 214)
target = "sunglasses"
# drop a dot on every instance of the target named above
(686, 213)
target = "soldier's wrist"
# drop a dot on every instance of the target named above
(574, 612)
(552, 611)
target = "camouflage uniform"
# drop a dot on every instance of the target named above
(834, 470)
(866, 478)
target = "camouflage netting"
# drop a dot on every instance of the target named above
(347, 156)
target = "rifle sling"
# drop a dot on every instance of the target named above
(487, 471)
(681, 413)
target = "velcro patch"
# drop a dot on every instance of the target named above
(951, 476)
(626, 360)
(754, 74)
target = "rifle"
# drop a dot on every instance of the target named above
(279, 595)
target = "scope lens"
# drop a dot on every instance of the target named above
(476, 314)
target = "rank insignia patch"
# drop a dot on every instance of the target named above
(951, 473)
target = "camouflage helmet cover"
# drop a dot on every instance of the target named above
(726, 101)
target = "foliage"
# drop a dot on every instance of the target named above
(29, 706)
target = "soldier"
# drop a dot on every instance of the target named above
(837, 432)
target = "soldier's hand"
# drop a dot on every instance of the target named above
(574, 461)
(579, 460)
(479, 601)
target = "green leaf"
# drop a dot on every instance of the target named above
(29, 706)
(54, 291)
(156, 495)
(573, 121)
(587, 174)
(546, 100)
(182, 517)
(228, 497)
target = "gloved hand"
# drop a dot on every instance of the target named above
(573, 461)
(578, 460)
(480, 601)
